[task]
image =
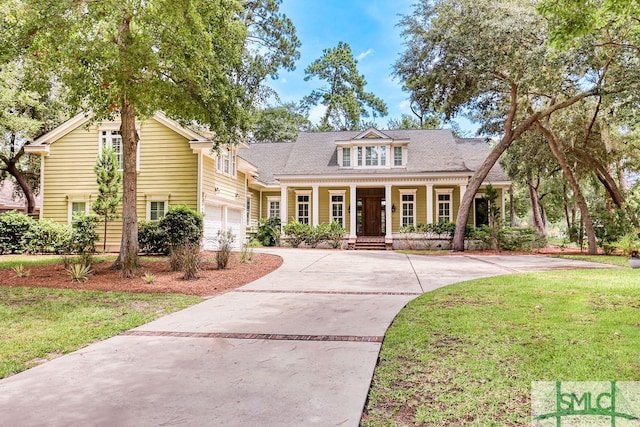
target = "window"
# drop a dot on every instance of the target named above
(113, 140)
(372, 156)
(273, 205)
(336, 212)
(227, 162)
(302, 208)
(77, 207)
(156, 210)
(397, 156)
(248, 211)
(408, 207)
(346, 157)
(444, 206)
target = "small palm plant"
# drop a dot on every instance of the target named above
(79, 272)
(149, 278)
(20, 271)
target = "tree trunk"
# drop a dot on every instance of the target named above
(23, 184)
(128, 257)
(575, 187)
(510, 135)
(538, 221)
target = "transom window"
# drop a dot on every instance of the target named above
(444, 207)
(113, 140)
(337, 207)
(302, 208)
(408, 207)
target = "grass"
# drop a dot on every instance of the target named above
(10, 261)
(37, 324)
(466, 354)
(618, 260)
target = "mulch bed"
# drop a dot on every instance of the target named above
(209, 281)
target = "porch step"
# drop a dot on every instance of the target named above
(370, 244)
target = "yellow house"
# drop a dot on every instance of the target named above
(373, 183)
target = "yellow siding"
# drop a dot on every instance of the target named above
(254, 216)
(168, 168)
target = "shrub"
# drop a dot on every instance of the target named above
(298, 233)
(246, 256)
(84, 235)
(628, 243)
(225, 244)
(335, 235)
(14, 227)
(182, 225)
(520, 239)
(47, 237)
(269, 231)
(151, 238)
(149, 278)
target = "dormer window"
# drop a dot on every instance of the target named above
(372, 149)
(227, 163)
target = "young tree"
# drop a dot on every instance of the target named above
(132, 58)
(491, 58)
(109, 180)
(345, 98)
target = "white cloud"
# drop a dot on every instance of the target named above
(283, 80)
(316, 113)
(363, 55)
(405, 106)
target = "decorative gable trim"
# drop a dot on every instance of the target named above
(372, 133)
(63, 129)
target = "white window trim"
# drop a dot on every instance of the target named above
(159, 198)
(108, 127)
(76, 199)
(273, 199)
(448, 191)
(331, 203)
(230, 154)
(248, 206)
(303, 193)
(387, 149)
(341, 151)
(404, 156)
(412, 192)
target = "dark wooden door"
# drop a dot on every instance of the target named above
(372, 217)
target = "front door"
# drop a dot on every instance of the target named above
(370, 215)
(482, 212)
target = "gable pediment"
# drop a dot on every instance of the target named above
(372, 133)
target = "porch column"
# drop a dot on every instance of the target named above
(429, 203)
(388, 238)
(463, 189)
(315, 202)
(283, 204)
(353, 209)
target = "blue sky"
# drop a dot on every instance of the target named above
(368, 26)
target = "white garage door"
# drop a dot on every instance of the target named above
(212, 224)
(214, 221)
(234, 222)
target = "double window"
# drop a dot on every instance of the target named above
(372, 156)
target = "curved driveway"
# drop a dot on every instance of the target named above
(296, 347)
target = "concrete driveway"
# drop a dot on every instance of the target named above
(296, 347)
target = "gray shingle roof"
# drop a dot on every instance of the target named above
(314, 153)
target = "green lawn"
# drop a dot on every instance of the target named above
(37, 324)
(618, 260)
(467, 353)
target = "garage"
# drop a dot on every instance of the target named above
(214, 221)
